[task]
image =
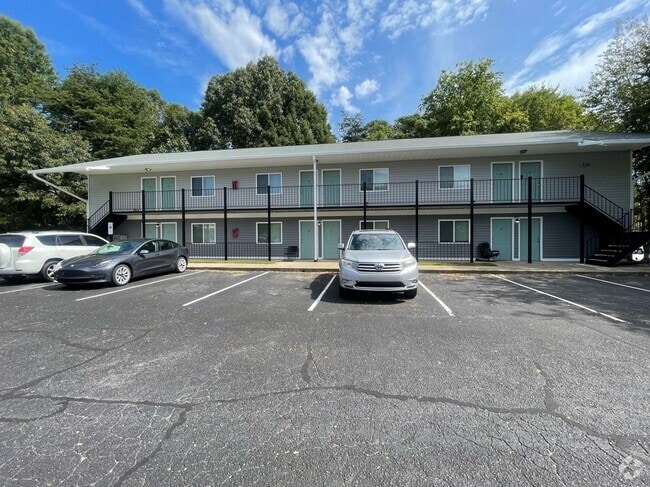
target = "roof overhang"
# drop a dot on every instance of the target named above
(526, 144)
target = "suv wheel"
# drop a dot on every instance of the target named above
(47, 272)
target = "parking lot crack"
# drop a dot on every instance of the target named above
(307, 365)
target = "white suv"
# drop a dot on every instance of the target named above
(35, 254)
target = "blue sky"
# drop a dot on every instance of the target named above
(377, 57)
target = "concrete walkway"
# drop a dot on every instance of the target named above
(428, 267)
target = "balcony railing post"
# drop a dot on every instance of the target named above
(183, 239)
(225, 223)
(268, 218)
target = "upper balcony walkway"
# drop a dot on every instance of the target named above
(559, 190)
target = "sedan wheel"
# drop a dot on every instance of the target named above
(181, 264)
(121, 275)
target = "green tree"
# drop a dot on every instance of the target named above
(618, 96)
(548, 109)
(261, 106)
(28, 142)
(26, 72)
(179, 130)
(114, 114)
(379, 130)
(465, 102)
(410, 127)
(352, 128)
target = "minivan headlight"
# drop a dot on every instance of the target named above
(349, 263)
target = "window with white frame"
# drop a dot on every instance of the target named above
(263, 233)
(374, 225)
(375, 179)
(454, 177)
(203, 186)
(204, 233)
(273, 179)
(453, 231)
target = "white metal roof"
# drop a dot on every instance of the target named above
(494, 145)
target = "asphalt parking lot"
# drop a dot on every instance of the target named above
(269, 378)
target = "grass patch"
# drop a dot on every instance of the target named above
(454, 263)
(231, 261)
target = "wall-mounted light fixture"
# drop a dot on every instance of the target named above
(147, 169)
(516, 221)
(523, 151)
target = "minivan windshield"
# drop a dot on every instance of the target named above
(376, 241)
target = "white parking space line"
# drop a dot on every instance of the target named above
(615, 283)
(320, 296)
(561, 299)
(226, 288)
(128, 288)
(444, 306)
(28, 288)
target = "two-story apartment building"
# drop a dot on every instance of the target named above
(562, 195)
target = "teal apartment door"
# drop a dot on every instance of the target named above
(331, 237)
(168, 189)
(331, 187)
(531, 169)
(307, 239)
(502, 237)
(536, 253)
(502, 176)
(149, 187)
(307, 189)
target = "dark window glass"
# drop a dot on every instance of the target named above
(70, 240)
(49, 240)
(166, 245)
(12, 240)
(94, 241)
(447, 231)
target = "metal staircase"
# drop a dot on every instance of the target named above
(618, 236)
(98, 221)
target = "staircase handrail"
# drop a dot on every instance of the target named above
(606, 206)
(96, 217)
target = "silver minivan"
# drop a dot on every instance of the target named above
(377, 260)
(35, 254)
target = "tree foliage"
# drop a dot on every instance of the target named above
(26, 72)
(261, 106)
(465, 102)
(352, 128)
(27, 142)
(618, 96)
(546, 108)
(114, 114)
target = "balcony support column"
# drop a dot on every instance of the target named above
(417, 220)
(471, 220)
(582, 220)
(365, 207)
(225, 223)
(268, 217)
(530, 220)
(144, 227)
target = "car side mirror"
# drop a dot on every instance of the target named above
(143, 252)
(340, 246)
(410, 245)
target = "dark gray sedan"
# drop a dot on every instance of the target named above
(119, 262)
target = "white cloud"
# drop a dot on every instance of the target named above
(446, 15)
(366, 88)
(285, 19)
(321, 52)
(546, 49)
(596, 21)
(343, 98)
(140, 8)
(231, 32)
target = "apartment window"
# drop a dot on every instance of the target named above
(453, 231)
(204, 233)
(263, 233)
(203, 186)
(375, 179)
(454, 177)
(374, 225)
(273, 179)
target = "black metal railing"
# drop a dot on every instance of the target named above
(490, 191)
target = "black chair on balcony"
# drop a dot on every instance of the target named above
(486, 253)
(291, 251)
